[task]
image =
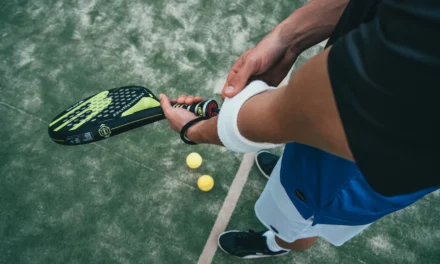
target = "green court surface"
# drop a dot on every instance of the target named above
(132, 199)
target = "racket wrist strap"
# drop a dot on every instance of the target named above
(187, 126)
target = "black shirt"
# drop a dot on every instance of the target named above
(384, 68)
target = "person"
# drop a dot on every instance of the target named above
(359, 120)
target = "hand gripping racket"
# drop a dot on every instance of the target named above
(112, 112)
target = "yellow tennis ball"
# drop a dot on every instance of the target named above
(194, 160)
(205, 183)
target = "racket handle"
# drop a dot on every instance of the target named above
(207, 108)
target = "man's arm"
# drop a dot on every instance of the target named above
(304, 111)
(272, 58)
(310, 24)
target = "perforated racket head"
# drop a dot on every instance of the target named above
(105, 114)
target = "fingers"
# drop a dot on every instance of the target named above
(181, 99)
(188, 100)
(234, 69)
(197, 99)
(226, 85)
(239, 75)
(276, 74)
(239, 80)
(165, 103)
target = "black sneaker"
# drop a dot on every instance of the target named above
(266, 161)
(246, 245)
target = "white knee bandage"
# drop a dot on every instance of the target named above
(227, 125)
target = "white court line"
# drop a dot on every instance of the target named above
(227, 209)
(22, 111)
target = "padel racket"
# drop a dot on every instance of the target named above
(112, 112)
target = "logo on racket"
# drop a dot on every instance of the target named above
(200, 111)
(104, 131)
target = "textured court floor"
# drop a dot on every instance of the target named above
(131, 199)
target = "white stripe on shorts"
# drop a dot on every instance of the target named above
(278, 213)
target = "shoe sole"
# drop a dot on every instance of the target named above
(246, 257)
(258, 165)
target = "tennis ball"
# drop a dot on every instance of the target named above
(194, 160)
(205, 183)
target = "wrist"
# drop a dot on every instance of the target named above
(204, 132)
(193, 133)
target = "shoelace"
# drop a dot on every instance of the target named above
(250, 242)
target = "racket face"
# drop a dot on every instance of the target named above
(105, 114)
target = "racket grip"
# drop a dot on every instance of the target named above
(207, 108)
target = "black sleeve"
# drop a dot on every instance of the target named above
(385, 75)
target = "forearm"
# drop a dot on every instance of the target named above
(205, 132)
(310, 24)
(255, 119)
(259, 120)
(304, 111)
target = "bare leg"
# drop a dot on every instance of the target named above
(298, 245)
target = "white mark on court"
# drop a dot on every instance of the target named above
(54, 74)
(141, 18)
(227, 209)
(76, 35)
(184, 66)
(168, 162)
(136, 59)
(85, 8)
(240, 40)
(183, 12)
(23, 112)
(34, 12)
(33, 102)
(381, 243)
(218, 83)
(348, 256)
(124, 157)
(26, 55)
